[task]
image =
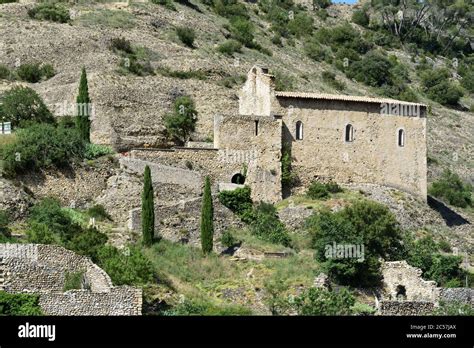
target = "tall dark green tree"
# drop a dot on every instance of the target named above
(207, 219)
(148, 209)
(84, 108)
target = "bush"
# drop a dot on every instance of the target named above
(51, 12)
(4, 221)
(267, 226)
(121, 44)
(73, 281)
(322, 3)
(438, 87)
(283, 82)
(126, 268)
(315, 51)
(182, 122)
(22, 104)
(243, 31)
(451, 189)
(29, 72)
(227, 239)
(47, 71)
(4, 72)
(330, 78)
(205, 308)
(166, 3)
(361, 17)
(19, 304)
(316, 301)
(445, 270)
(93, 151)
(88, 242)
(40, 233)
(301, 25)
(452, 308)
(239, 201)
(186, 35)
(373, 69)
(467, 81)
(42, 146)
(230, 47)
(317, 190)
(363, 224)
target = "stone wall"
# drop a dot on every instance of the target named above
(372, 157)
(406, 308)
(463, 295)
(122, 300)
(42, 269)
(181, 222)
(398, 274)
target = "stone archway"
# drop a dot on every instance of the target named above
(238, 179)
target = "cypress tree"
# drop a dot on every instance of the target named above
(207, 219)
(148, 209)
(83, 103)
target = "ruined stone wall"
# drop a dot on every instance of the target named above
(260, 137)
(372, 157)
(400, 273)
(41, 269)
(406, 308)
(122, 300)
(463, 295)
(181, 222)
(257, 96)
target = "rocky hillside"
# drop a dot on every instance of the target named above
(129, 109)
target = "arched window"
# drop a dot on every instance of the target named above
(299, 130)
(401, 293)
(401, 137)
(349, 133)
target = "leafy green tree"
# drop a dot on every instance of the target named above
(239, 201)
(243, 31)
(317, 301)
(374, 69)
(207, 219)
(438, 87)
(182, 122)
(148, 209)
(19, 304)
(21, 105)
(83, 101)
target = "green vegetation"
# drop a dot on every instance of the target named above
(206, 308)
(288, 178)
(186, 35)
(148, 209)
(318, 190)
(184, 75)
(316, 301)
(5, 72)
(330, 79)
(365, 224)
(227, 239)
(83, 123)
(451, 189)
(73, 281)
(439, 88)
(42, 146)
(19, 304)
(361, 17)
(207, 219)
(54, 12)
(230, 47)
(93, 151)
(239, 202)
(21, 105)
(182, 122)
(4, 229)
(135, 60)
(454, 308)
(267, 226)
(35, 72)
(166, 3)
(108, 18)
(98, 212)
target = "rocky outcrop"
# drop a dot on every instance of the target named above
(14, 200)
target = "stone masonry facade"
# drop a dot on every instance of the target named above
(41, 269)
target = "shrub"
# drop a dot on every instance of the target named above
(330, 78)
(315, 51)
(361, 17)
(451, 189)
(243, 31)
(467, 81)
(47, 71)
(88, 243)
(186, 35)
(190, 74)
(445, 270)
(316, 301)
(373, 69)
(182, 121)
(93, 151)
(239, 202)
(29, 72)
(438, 87)
(22, 104)
(7, 1)
(4, 221)
(283, 82)
(227, 239)
(73, 281)
(126, 268)
(205, 308)
(4, 72)
(230, 47)
(98, 211)
(267, 226)
(121, 44)
(40, 233)
(301, 25)
(364, 223)
(51, 12)
(19, 304)
(322, 3)
(42, 146)
(452, 308)
(108, 18)
(317, 190)
(166, 3)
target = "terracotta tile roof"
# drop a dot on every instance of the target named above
(342, 97)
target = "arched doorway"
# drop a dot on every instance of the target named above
(401, 293)
(238, 179)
